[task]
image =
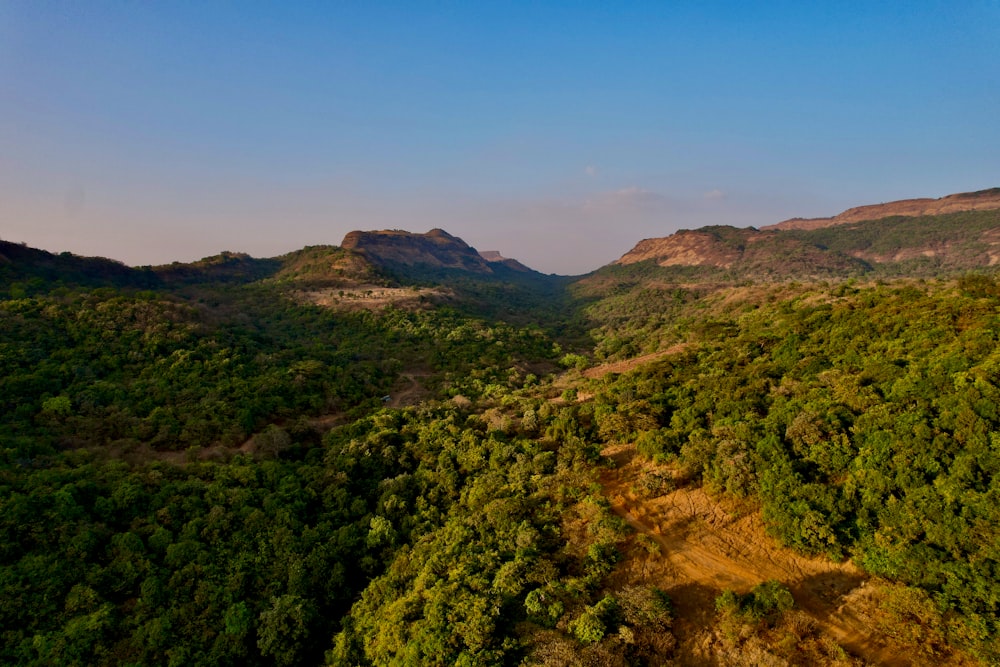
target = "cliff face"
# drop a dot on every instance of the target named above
(700, 247)
(437, 248)
(953, 232)
(983, 200)
(747, 251)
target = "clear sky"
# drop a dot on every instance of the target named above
(559, 133)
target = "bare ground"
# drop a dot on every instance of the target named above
(634, 362)
(705, 546)
(372, 297)
(411, 390)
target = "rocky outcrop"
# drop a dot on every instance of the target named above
(436, 249)
(700, 247)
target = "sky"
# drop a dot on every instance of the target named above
(558, 133)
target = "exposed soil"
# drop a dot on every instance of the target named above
(411, 393)
(373, 297)
(706, 546)
(633, 363)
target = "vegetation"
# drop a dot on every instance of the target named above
(198, 467)
(862, 419)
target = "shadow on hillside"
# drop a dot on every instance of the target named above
(822, 594)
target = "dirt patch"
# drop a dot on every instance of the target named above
(373, 297)
(631, 364)
(410, 390)
(693, 546)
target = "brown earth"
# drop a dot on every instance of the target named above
(372, 297)
(411, 392)
(686, 248)
(633, 363)
(703, 546)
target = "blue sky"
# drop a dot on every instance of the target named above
(557, 133)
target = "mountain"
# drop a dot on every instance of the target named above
(436, 249)
(742, 251)
(226, 267)
(25, 268)
(494, 257)
(917, 237)
(326, 265)
(981, 200)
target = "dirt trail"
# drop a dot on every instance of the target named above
(635, 362)
(412, 393)
(705, 549)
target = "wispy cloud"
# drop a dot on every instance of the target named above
(714, 195)
(591, 170)
(629, 198)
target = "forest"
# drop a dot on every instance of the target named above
(199, 467)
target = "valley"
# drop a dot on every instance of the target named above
(732, 446)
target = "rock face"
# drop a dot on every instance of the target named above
(982, 200)
(770, 253)
(865, 235)
(436, 249)
(710, 246)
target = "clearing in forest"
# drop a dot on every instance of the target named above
(705, 547)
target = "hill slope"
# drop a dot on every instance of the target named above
(896, 245)
(981, 200)
(437, 249)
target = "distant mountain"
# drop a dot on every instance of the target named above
(743, 251)
(982, 200)
(326, 265)
(437, 249)
(24, 270)
(918, 237)
(495, 257)
(915, 237)
(226, 267)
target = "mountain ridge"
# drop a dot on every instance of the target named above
(957, 232)
(436, 248)
(980, 200)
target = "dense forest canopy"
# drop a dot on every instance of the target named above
(201, 465)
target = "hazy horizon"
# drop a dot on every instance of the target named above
(556, 136)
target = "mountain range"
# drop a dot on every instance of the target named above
(919, 236)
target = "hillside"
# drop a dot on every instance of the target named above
(24, 270)
(982, 200)
(743, 252)
(898, 245)
(436, 249)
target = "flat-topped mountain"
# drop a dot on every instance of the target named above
(743, 250)
(921, 237)
(982, 200)
(435, 249)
